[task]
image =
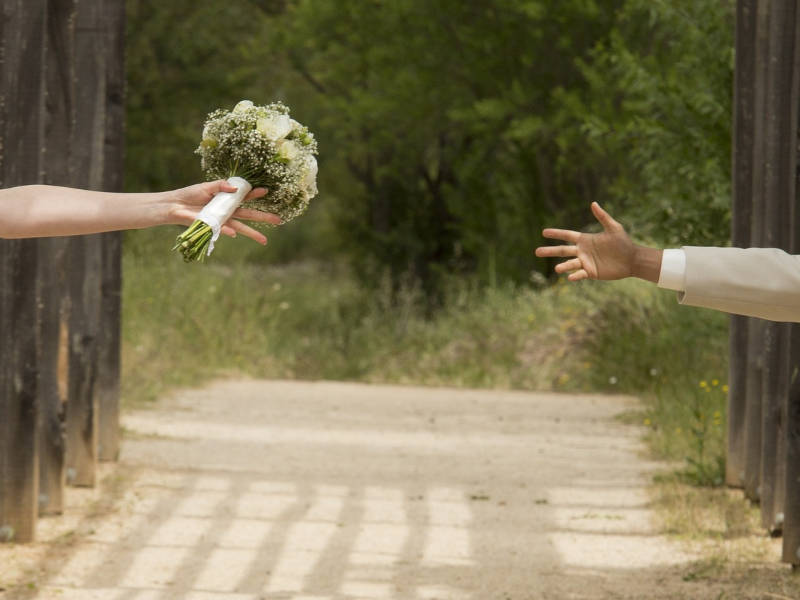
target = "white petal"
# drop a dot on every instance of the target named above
(243, 106)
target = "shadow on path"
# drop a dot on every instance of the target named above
(321, 491)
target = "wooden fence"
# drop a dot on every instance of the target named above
(61, 123)
(764, 401)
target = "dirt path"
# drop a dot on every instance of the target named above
(253, 490)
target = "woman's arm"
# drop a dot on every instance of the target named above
(45, 211)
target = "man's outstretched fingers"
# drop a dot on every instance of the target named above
(557, 251)
(565, 235)
(578, 275)
(569, 265)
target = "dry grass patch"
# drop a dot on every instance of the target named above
(724, 528)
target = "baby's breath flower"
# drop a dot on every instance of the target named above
(263, 145)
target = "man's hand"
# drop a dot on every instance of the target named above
(608, 255)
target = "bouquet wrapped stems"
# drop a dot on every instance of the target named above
(197, 241)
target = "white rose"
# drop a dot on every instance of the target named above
(275, 127)
(310, 178)
(288, 150)
(243, 106)
(209, 141)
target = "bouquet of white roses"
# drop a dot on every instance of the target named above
(252, 146)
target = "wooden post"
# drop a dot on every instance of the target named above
(743, 124)
(85, 263)
(791, 411)
(779, 168)
(22, 29)
(59, 122)
(755, 328)
(111, 282)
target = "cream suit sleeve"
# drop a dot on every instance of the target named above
(756, 282)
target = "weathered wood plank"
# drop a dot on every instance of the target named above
(780, 107)
(22, 28)
(742, 209)
(791, 410)
(59, 123)
(756, 327)
(85, 264)
(111, 283)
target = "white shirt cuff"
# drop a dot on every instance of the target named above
(673, 270)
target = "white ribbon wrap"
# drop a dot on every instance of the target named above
(222, 206)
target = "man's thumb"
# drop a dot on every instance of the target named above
(605, 219)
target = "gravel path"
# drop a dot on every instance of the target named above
(251, 490)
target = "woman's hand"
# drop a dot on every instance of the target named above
(186, 204)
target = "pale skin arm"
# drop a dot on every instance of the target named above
(608, 255)
(46, 211)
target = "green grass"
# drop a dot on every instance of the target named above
(184, 324)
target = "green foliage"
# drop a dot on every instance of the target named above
(452, 132)
(658, 113)
(183, 60)
(440, 113)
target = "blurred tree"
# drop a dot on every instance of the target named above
(451, 132)
(441, 113)
(657, 111)
(184, 59)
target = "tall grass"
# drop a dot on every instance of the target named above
(184, 324)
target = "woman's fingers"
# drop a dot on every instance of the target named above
(220, 185)
(569, 265)
(557, 251)
(248, 231)
(250, 214)
(256, 193)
